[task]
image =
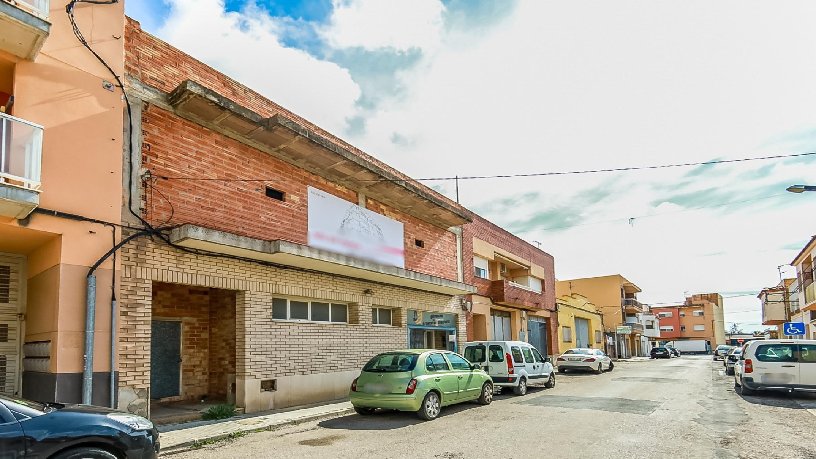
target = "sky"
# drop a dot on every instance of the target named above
(463, 88)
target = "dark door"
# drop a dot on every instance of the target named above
(538, 334)
(165, 359)
(12, 440)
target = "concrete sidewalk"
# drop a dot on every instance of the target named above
(181, 437)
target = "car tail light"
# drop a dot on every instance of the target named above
(749, 366)
(411, 387)
(591, 359)
(509, 359)
(560, 359)
(354, 385)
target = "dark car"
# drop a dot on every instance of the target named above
(52, 430)
(674, 351)
(660, 353)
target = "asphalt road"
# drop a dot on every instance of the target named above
(679, 408)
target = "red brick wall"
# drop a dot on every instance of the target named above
(493, 234)
(222, 341)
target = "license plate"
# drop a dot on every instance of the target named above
(575, 358)
(376, 388)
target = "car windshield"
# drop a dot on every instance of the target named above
(26, 407)
(659, 349)
(723, 347)
(391, 362)
(579, 351)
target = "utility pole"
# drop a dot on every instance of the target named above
(457, 189)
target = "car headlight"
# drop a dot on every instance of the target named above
(131, 420)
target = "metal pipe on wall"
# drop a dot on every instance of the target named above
(90, 319)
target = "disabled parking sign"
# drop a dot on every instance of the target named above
(793, 328)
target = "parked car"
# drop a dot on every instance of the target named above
(731, 359)
(660, 353)
(53, 430)
(776, 364)
(721, 351)
(419, 380)
(673, 351)
(513, 364)
(584, 359)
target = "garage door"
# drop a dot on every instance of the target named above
(10, 298)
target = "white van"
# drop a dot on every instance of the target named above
(513, 364)
(776, 364)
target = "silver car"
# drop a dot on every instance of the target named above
(584, 359)
(721, 351)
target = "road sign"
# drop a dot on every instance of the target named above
(624, 330)
(794, 328)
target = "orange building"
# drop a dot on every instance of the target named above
(699, 318)
(61, 127)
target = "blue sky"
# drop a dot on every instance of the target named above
(487, 87)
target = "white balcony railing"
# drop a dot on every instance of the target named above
(20, 152)
(38, 8)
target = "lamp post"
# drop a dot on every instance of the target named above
(801, 188)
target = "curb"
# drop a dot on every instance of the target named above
(200, 442)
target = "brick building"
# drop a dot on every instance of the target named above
(245, 297)
(700, 317)
(515, 287)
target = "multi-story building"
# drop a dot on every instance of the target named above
(60, 198)
(805, 263)
(616, 298)
(651, 331)
(778, 303)
(515, 287)
(580, 324)
(699, 318)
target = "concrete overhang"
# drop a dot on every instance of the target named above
(301, 256)
(17, 202)
(22, 33)
(303, 147)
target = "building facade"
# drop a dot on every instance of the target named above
(805, 263)
(61, 140)
(699, 318)
(515, 287)
(616, 298)
(778, 303)
(580, 324)
(277, 259)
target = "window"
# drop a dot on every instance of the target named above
(667, 328)
(516, 354)
(682, 313)
(598, 336)
(496, 353)
(275, 194)
(807, 353)
(381, 316)
(682, 328)
(480, 268)
(699, 327)
(5, 284)
(539, 359)
(315, 311)
(391, 363)
(475, 354)
(698, 313)
(458, 363)
(419, 243)
(535, 284)
(776, 353)
(650, 325)
(528, 356)
(435, 362)
(665, 314)
(567, 334)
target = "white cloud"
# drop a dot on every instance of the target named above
(246, 45)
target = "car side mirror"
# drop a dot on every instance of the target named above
(547, 359)
(475, 366)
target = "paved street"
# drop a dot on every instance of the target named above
(677, 408)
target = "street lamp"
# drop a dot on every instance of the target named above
(801, 188)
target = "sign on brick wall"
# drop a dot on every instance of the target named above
(346, 228)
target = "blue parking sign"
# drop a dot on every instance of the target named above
(793, 328)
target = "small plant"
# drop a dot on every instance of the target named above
(219, 412)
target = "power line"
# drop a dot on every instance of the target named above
(536, 174)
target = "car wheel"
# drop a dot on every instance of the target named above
(85, 453)
(431, 405)
(487, 394)
(746, 391)
(729, 371)
(550, 382)
(562, 370)
(364, 411)
(600, 369)
(611, 366)
(521, 389)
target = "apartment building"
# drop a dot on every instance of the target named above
(700, 317)
(515, 287)
(805, 263)
(616, 298)
(580, 324)
(779, 303)
(61, 142)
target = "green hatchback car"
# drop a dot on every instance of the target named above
(419, 380)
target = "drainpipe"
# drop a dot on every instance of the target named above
(90, 318)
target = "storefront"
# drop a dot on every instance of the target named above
(431, 330)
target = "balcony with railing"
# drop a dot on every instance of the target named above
(634, 322)
(20, 159)
(632, 305)
(509, 293)
(24, 26)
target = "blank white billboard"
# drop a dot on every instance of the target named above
(346, 228)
